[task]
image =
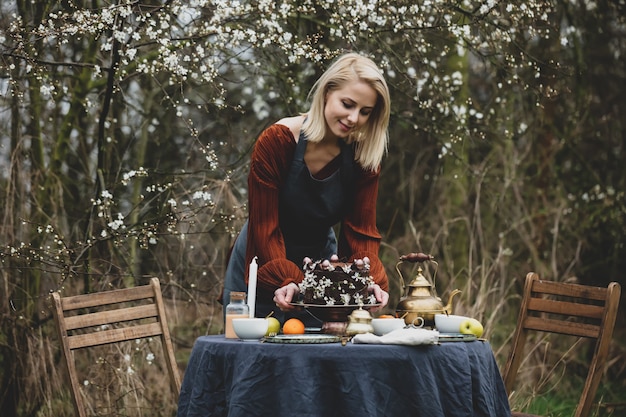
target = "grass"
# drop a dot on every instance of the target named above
(610, 401)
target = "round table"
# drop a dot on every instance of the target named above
(229, 377)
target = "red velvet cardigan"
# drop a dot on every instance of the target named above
(269, 166)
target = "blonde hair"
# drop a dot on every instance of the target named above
(371, 139)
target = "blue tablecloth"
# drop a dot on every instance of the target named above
(226, 377)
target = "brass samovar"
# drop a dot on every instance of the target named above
(420, 296)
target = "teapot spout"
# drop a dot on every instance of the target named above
(448, 308)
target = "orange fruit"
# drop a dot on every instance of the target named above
(386, 316)
(293, 326)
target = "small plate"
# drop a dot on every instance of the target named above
(456, 337)
(312, 330)
(303, 338)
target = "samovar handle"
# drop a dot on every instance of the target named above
(415, 257)
(400, 275)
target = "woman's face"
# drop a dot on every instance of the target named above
(348, 108)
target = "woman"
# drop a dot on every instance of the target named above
(309, 173)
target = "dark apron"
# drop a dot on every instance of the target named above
(308, 210)
(309, 207)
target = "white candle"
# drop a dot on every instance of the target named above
(252, 286)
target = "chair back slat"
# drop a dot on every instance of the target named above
(148, 311)
(114, 336)
(562, 327)
(104, 298)
(569, 290)
(566, 308)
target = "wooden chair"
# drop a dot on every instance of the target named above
(569, 309)
(105, 317)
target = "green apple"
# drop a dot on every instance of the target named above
(273, 326)
(471, 326)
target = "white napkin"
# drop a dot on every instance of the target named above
(406, 336)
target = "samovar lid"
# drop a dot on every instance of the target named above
(420, 280)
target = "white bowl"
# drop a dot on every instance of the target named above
(384, 326)
(250, 328)
(449, 323)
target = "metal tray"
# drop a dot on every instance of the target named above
(302, 338)
(336, 312)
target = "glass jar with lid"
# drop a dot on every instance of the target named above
(236, 308)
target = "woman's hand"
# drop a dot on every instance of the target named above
(382, 296)
(285, 295)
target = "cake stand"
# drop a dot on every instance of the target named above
(333, 317)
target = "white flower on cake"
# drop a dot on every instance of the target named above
(358, 298)
(345, 299)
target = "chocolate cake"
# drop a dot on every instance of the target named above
(336, 283)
